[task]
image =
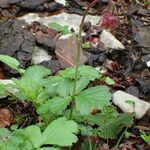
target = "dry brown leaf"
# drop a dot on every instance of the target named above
(6, 118)
(66, 50)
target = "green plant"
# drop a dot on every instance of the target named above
(85, 99)
(64, 29)
(110, 122)
(32, 137)
(52, 94)
(11, 62)
(145, 137)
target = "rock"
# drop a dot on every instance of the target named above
(4, 3)
(11, 8)
(95, 60)
(64, 18)
(32, 4)
(40, 55)
(148, 63)
(110, 41)
(66, 50)
(17, 41)
(8, 3)
(142, 36)
(63, 2)
(44, 36)
(146, 59)
(144, 83)
(140, 108)
(46, 40)
(133, 90)
(104, 1)
(41, 5)
(53, 65)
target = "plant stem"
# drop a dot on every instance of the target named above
(121, 138)
(78, 56)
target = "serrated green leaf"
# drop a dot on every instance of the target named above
(107, 114)
(81, 84)
(86, 130)
(19, 141)
(29, 90)
(37, 74)
(64, 87)
(54, 106)
(11, 62)
(109, 81)
(61, 132)
(111, 129)
(51, 85)
(94, 97)
(110, 124)
(35, 135)
(4, 133)
(83, 71)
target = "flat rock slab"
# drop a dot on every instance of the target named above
(70, 20)
(139, 107)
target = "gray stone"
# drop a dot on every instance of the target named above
(70, 20)
(39, 55)
(140, 108)
(148, 63)
(110, 41)
(146, 59)
(63, 2)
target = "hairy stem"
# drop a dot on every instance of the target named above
(78, 56)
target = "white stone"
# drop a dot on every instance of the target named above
(30, 17)
(39, 55)
(140, 108)
(148, 63)
(110, 41)
(70, 20)
(63, 2)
